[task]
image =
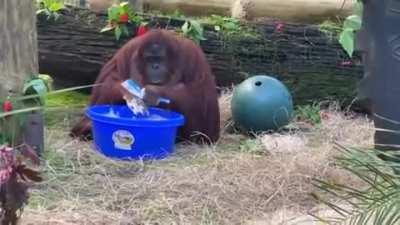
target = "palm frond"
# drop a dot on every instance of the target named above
(385, 214)
(376, 204)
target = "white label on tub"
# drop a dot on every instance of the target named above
(123, 139)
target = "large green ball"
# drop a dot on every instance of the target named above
(261, 103)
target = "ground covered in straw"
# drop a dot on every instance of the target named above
(241, 180)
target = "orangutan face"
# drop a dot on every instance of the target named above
(156, 64)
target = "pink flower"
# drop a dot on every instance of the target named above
(5, 174)
(346, 63)
(279, 27)
(7, 163)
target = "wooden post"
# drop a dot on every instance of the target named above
(19, 58)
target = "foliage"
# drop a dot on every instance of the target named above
(379, 202)
(350, 26)
(12, 118)
(118, 17)
(232, 32)
(39, 85)
(35, 91)
(13, 172)
(14, 175)
(193, 29)
(50, 8)
(330, 29)
(177, 14)
(308, 113)
(225, 24)
(345, 32)
(66, 105)
(67, 99)
(231, 29)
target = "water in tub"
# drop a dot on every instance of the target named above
(111, 113)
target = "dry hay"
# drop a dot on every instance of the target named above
(240, 180)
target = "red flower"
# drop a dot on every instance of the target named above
(124, 18)
(7, 106)
(142, 30)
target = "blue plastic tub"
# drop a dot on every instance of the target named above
(117, 133)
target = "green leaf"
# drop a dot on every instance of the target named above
(124, 4)
(125, 30)
(47, 3)
(107, 28)
(185, 27)
(36, 86)
(230, 26)
(41, 11)
(177, 14)
(118, 32)
(56, 16)
(126, 8)
(113, 13)
(352, 22)
(358, 8)
(347, 41)
(47, 80)
(56, 6)
(217, 28)
(136, 19)
(196, 26)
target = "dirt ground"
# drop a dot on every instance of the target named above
(241, 180)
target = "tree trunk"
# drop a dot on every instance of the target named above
(18, 56)
(313, 66)
(190, 7)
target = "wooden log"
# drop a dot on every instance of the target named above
(289, 10)
(190, 7)
(101, 6)
(313, 66)
(292, 10)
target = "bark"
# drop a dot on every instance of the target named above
(289, 10)
(19, 57)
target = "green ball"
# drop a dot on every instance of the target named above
(261, 103)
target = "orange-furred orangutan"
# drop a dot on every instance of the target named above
(168, 66)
